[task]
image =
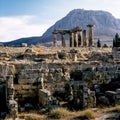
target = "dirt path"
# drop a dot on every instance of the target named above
(108, 116)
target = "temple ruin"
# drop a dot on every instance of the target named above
(77, 37)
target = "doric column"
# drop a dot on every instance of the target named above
(54, 39)
(71, 39)
(75, 39)
(90, 35)
(80, 40)
(85, 40)
(63, 39)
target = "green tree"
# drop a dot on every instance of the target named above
(105, 46)
(116, 36)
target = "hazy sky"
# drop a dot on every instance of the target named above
(26, 18)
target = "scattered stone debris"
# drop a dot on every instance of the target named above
(81, 77)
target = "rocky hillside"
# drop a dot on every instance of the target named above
(105, 25)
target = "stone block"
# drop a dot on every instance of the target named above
(44, 96)
(17, 87)
(23, 92)
(10, 97)
(13, 109)
(118, 90)
(24, 45)
(118, 96)
(51, 70)
(10, 91)
(26, 87)
(31, 80)
(22, 81)
(10, 86)
(9, 79)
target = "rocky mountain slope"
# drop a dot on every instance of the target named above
(105, 25)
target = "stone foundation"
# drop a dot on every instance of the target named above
(52, 71)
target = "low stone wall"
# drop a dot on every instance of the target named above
(27, 77)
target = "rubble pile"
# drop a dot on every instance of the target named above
(32, 77)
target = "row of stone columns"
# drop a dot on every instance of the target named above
(78, 37)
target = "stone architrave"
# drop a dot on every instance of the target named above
(71, 39)
(85, 42)
(63, 39)
(54, 39)
(90, 35)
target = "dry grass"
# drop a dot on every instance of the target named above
(34, 116)
(116, 108)
(64, 114)
(37, 50)
(89, 114)
(31, 115)
(60, 113)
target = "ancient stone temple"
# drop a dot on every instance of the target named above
(77, 37)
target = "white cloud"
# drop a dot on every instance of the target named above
(12, 28)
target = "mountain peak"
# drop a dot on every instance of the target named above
(105, 24)
(83, 11)
(102, 21)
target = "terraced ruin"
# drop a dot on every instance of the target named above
(36, 77)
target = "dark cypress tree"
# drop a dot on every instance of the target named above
(114, 43)
(116, 37)
(98, 43)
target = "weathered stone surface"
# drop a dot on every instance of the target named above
(24, 45)
(26, 77)
(44, 97)
(13, 109)
(62, 54)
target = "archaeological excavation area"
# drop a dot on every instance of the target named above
(37, 77)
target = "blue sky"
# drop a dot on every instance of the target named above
(25, 18)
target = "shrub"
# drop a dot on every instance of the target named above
(89, 114)
(105, 46)
(60, 113)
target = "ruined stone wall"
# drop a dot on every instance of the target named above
(27, 77)
(55, 75)
(54, 70)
